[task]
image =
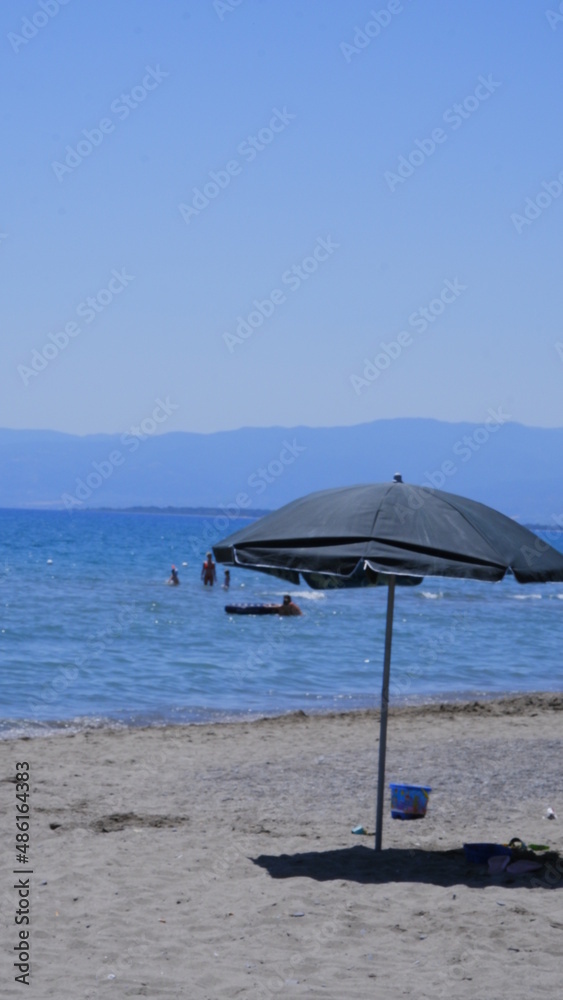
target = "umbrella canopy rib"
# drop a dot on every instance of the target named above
(379, 508)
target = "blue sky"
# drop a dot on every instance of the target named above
(281, 213)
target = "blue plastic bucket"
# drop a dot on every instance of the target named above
(409, 801)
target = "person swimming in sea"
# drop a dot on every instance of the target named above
(208, 571)
(173, 579)
(288, 607)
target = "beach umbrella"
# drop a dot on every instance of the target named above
(389, 533)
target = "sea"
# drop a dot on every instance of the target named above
(91, 635)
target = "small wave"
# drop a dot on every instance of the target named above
(303, 595)
(527, 597)
(431, 595)
(26, 729)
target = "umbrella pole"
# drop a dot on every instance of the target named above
(384, 711)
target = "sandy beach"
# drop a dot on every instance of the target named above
(217, 861)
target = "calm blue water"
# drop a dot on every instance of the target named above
(90, 633)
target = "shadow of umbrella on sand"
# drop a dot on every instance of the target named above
(389, 533)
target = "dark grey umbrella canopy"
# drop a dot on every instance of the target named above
(392, 528)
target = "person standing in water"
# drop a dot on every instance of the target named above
(173, 579)
(208, 571)
(227, 581)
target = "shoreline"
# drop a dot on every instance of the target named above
(510, 703)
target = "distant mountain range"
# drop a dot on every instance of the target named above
(517, 469)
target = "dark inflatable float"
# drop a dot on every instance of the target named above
(252, 609)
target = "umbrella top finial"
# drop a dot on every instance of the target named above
(397, 478)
